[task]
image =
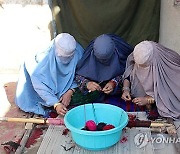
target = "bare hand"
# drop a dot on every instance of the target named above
(108, 88)
(66, 98)
(126, 95)
(61, 109)
(141, 101)
(93, 86)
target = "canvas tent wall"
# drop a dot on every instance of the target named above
(134, 21)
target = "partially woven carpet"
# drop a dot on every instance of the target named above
(11, 131)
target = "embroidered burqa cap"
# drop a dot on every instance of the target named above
(65, 45)
(142, 52)
(102, 51)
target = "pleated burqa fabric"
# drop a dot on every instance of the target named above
(160, 79)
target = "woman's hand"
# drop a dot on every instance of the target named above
(126, 95)
(64, 101)
(66, 97)
(93, 86)
(108, 88)
(141, 101)
(126, 90)
(61, 109)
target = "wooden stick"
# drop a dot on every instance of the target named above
(28, 120)
(155, 124)
(143, 123)
(53, 121)
(158, 129)
(24, 139)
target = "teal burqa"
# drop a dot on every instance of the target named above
(41, 85)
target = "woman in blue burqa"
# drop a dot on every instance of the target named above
(48, 78)
(100, 70)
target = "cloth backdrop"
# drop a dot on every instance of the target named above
(133, 20)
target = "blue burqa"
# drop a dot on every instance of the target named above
(91, 68)
(44, 79)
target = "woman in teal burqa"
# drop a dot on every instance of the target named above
(48, 78)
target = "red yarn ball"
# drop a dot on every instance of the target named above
(107, 127)
(91, 125)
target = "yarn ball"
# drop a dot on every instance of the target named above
(100, 126)
(107, 127)
(90, 125)
(84, 128)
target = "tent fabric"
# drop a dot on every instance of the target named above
(134, 21)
